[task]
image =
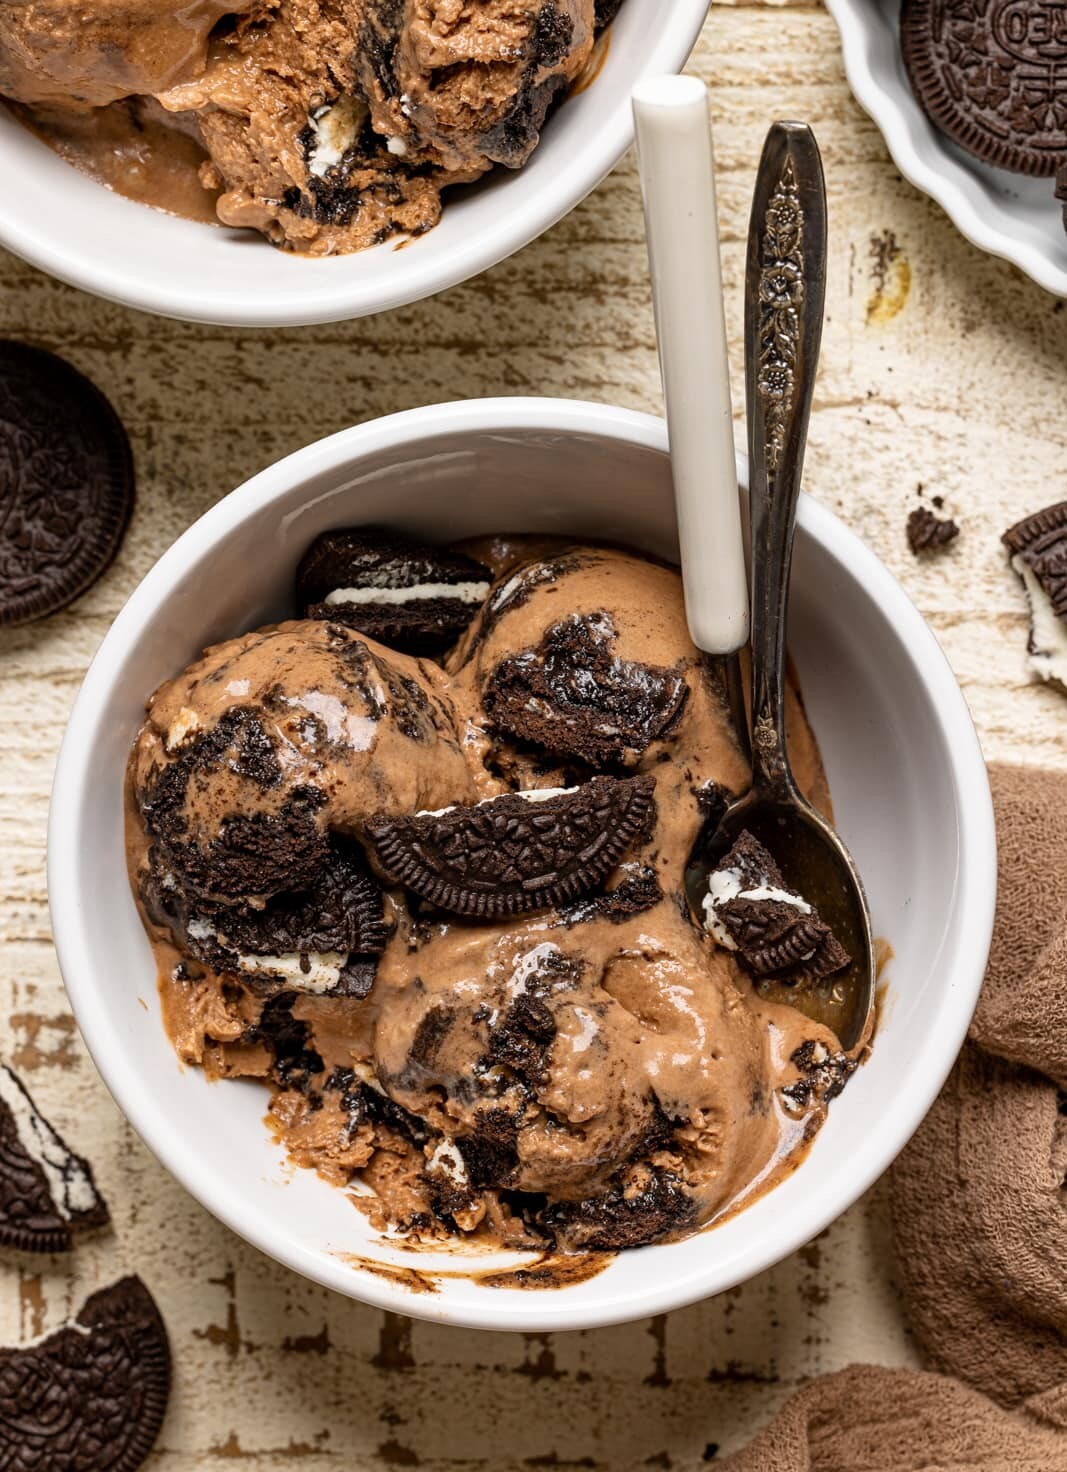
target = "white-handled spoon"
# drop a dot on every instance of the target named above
(678, 184)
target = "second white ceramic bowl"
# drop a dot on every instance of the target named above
(909, 789)
(79, 231)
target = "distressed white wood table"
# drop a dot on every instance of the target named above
(942, 368)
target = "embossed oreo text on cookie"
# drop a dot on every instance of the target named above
(66, 483)
(992, 74)
(519, 852)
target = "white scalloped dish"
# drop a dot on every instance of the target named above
(1006, 214)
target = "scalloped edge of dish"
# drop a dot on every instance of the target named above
(925, 157)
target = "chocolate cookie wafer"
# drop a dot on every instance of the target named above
(520, 852)
(1038, 547)
(749, 910)
(92, 1396)
(927, 532)
(47, 1193)
(991, 75)
(406, 594)
(66, 483)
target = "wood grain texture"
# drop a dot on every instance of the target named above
(941, 367)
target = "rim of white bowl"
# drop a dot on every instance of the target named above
(922, 157)
(423, 272)
(946, 1027)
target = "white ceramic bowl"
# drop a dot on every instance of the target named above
(79, 231)
(1003, 213)
(908, 780)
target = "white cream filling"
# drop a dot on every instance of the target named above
(68, 1181)
(462, 592)
(446, 1160)
(397, 146)
(1048, 632)
(728, 884)
(323, 968)
(533, 794)
(336, 127)
(184, 723)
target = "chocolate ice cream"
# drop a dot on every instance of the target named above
(329, 125)
(439, 905)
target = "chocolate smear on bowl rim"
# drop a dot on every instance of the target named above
(774, 932)
(94, 1393)
(407, 594)
(574, 697)
(47, 1192)
(1038, 548)
(518, 852)
(66, 483)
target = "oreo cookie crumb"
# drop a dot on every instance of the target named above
(927, 532)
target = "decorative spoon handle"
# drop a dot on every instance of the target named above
(784, 293)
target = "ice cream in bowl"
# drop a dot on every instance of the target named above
(398, 864)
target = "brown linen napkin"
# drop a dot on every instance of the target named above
(979, 1211)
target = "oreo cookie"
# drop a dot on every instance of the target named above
(572, 696)
(66, 483)
(749, 910)
(651, 1206)
(323, 940)
(47, 1193)
(927, 532)
(990, 74)
(91, 1395)
(1038, 547)
(823, 1074)
(516, 853)
(406, 594)
(1061, 189)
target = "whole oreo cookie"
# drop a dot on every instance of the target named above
(519, 852)
(406, 594)
(574, 697)
(93, 1394)
(47, 1193)
(991, 74)
(66, 483)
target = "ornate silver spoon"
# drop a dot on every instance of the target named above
(784, 295)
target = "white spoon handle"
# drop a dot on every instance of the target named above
(678, 184)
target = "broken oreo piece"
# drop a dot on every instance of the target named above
(67, 483)
(748, 909)
(575, 698)
(519, 852)
(927, 532)
(322, 940)
(1038, 547)
(823, 1075)
(991, 76)
(652, 1206)
(47, 1193)
(406, 594)
(91, 1395)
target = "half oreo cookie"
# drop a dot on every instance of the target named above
(66, 483)
(519, 852)
(405, 594)
(1038, 547)
(748, 909)
(93, 1394)
(47, 1193)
